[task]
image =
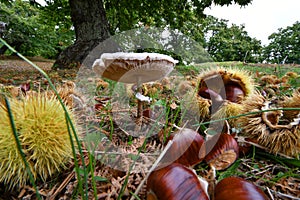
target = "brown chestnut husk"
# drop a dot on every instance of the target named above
(235, 188)
(276, 130)
(187, 148)
(175, 182)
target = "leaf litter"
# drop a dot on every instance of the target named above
(279, 179)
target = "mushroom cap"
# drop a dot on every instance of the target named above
(134, 67)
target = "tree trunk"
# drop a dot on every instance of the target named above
(3, 49)
(16, 45)
(91, 28)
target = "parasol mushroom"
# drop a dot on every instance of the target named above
(137, 68)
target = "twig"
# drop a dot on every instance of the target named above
(62, 185)
(265, 169)
(52, 190)
(270, 194)
(242, 139)
(120, 110)
(118, 153)
(284, 195)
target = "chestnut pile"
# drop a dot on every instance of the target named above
(174, 178)
(227, 92)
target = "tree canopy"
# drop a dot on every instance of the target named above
(32, 31)
(230, 42)
(72, 28)
(124, 15)
(284, 45)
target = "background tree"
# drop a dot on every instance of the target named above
(95, 20)
(230, 43)
(32, 31)
(284, 46)
(91, 27)
(82, 25)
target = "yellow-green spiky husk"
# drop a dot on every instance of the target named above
(197, 105)
(243, 77)
(228, 109)
(228, 75)
(246, 80)
(43, 134)
(279, 140)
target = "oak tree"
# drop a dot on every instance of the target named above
(284, 46)
(95, 20)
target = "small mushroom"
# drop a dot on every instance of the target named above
(136, 68)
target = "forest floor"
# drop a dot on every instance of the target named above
(277, 176)
(15, 71)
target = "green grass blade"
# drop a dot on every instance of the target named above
(232, 170)
(92, 168)
(245, 114)
(75, 160)
(284, 161)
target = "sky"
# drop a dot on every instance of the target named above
(261, 18)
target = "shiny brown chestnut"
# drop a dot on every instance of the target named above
(234, 188)
(245, 147)
(175, 182)
(223, 151)
(209, 94)
(234, 92)
(187, 148)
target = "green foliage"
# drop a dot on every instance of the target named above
(47, 30)
(230, 43)
(284, 46)
(35, 31)
(176, 44)
(185, 16)
(125, 15)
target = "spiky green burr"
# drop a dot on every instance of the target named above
(43, 134)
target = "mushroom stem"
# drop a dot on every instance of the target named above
(140, 103)
(140, 109)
